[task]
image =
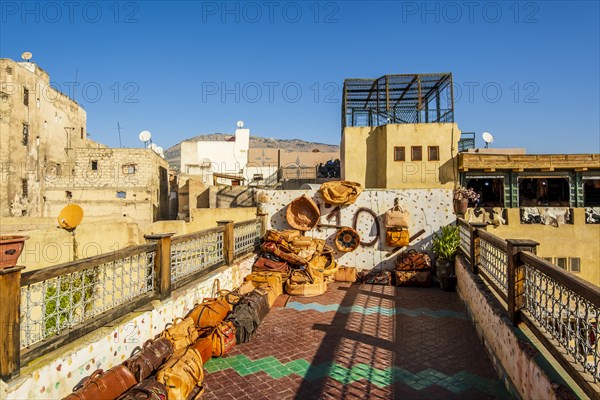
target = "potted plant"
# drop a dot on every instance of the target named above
(462, 196)
(10, 250)
(445, 246)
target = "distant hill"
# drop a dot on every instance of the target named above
(173, 153)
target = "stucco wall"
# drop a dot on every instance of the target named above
(54, 375)
(430, 209)
(569, 240)
(515, 357)
(205, 218)
(368, 155)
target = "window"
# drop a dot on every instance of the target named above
(416, 153)
(94, 165)
(561, 262)
(591, 192)
(121, 195)
(433, 153)
(399, 153)
(549, 259)
(25, 134)
(544, 192)
(8, 70)
(82, 133)
(68, 194)
(58, 170)
(26, 97)
(129, 169)
(490, 190)
(24, 188)
(575, 264)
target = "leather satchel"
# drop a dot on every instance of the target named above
(181, 334)
(263, 264)
(104, 385)
(209, 313)
(146, 360)
(345, 274)
(413, 260)
(148, 389)
(292, 258)
(204, 345)
(222, 338)
(181, 373)
(413, 278)
(397, 237)
(397, 217)
(376, 277)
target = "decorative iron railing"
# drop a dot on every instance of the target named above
(247, 237)
(196, 252)
(465, 237)
(561, 309)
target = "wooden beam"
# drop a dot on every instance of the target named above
(489, 170)
(549, 169)
(10, 327)
(520, 169)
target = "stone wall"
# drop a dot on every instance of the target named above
(54, 375)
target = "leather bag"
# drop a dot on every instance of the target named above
(209, 313)
(146, 360)
(413, 278)
(181, 334)
(204, 345)
(397, 217)
(263, 264)
(413, 260)
(272, 279)
(292, 258)
(248, 314)
(345, 274)
(397, 237)
(104, 385)
(148, 389)
(181, 373)
(376, 277)
(271, 292)
(340, 193)
(222, 338)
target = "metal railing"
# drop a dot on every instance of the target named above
(50, 307)
(561, 309)
(196, 252)
(247, 236)
(464, 232)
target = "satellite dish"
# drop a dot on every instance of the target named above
(145, 136)
(487, 138)
(160, 150)
(26, 56)
(240, 124)
(70, 217)
(154, 147)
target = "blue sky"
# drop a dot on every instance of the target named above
(526, 71)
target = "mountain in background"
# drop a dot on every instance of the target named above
(173, 153)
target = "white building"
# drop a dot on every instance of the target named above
(217, 161)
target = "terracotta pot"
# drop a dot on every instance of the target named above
(10, 250)
(461, 206)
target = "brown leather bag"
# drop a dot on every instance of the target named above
(263, 264)
(181, 334)
(204, 345)
(209, 313)
(412, 260)
(104, 385)
(146, 360)
(181, 373)
(289, 256)
(223, 338)
(148, 389)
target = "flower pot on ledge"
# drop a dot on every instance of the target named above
(461, 206)
(10, 250)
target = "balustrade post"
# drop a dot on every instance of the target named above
(228, 241)
(515, 274)
(162, 263)
(475, 244)
(10, 325)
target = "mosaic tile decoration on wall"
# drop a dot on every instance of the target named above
(430, 209)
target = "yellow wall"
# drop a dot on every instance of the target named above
(205, 218)
(570, 240)
(368, 155)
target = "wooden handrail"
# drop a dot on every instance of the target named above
(248, 222)
(39, 275)
(194, 235)
(585, 289)
(492, 239)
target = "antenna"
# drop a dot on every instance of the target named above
(240, 124)
(487, 138)
(145, 136)
(119, 130)
(26, 56)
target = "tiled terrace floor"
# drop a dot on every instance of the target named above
(359, 342)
